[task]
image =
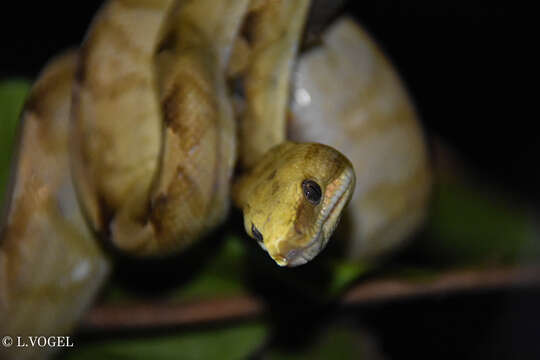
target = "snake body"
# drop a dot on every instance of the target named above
(166, 96)
(50, 264)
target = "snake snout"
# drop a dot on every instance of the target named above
(299, 255)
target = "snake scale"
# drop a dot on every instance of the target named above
(173, 109)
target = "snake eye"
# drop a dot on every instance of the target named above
(256, 234)
(312, 191)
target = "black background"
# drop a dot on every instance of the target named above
(468, 67)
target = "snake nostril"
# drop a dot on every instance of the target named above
(256, 233)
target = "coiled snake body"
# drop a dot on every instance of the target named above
(156, 96)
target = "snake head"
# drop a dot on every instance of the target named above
(293, 198)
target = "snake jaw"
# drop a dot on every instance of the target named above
(301, 256)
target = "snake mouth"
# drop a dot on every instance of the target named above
(303, 255)
(337, 195)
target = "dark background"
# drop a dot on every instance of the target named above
(467, 67)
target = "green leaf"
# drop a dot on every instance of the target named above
(473, 225)
(12, 95)
(344, 274)
(337, 342)
(223, 276)
(230, 342)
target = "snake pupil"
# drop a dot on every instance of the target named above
(256, 234)
(312, 191)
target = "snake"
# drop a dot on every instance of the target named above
(173, 110)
